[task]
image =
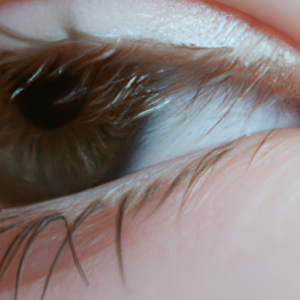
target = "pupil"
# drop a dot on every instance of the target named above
(36, 102)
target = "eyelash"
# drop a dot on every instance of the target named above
(132, 201)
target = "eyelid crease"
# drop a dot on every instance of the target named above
(8, 32)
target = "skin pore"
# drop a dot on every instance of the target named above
(235, 237)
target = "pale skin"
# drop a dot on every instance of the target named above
(238, 237)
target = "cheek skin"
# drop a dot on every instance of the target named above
(236, 238)
(282, 15)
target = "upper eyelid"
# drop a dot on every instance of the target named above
(202, 24)
(278, 56)
(212, 28)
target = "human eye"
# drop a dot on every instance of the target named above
(204, 89)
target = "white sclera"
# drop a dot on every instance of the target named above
(172, 134)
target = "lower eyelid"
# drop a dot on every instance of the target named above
(96, 236)
(100, 225)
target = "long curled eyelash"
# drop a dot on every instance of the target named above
(129, 203)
